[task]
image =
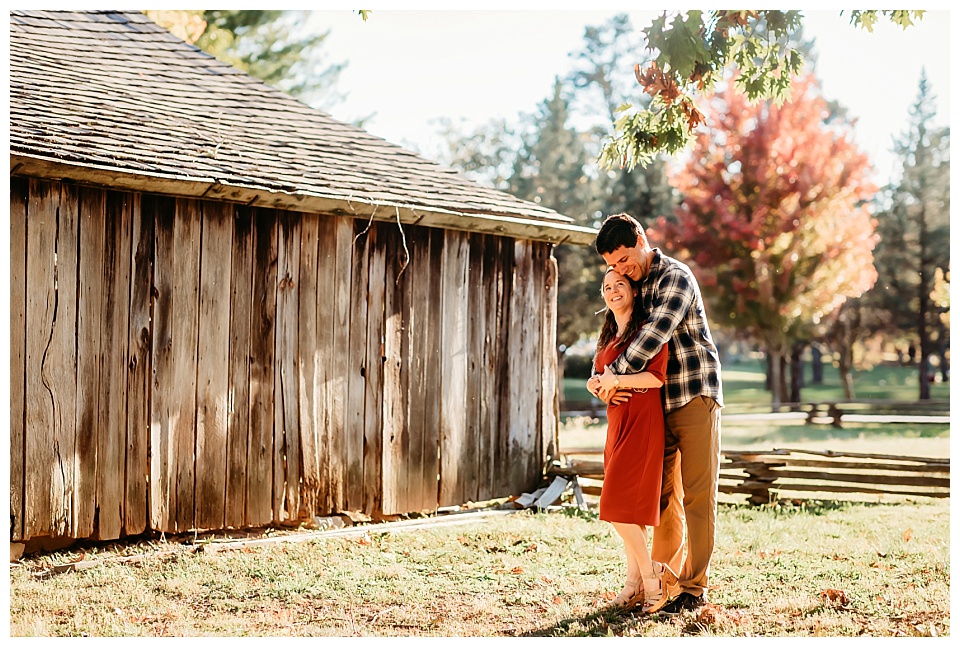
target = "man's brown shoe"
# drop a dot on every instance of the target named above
(684, 602)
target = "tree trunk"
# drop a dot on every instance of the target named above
(796, 371)
(944, 362)
(776, 375)
(768, 382)
(816, 363)
(925, 376)
(844, 348)
(846, 372)
(783, 377)
(923, 290)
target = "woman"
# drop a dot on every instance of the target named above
(633, 455)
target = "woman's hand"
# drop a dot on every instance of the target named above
(610, 396)
(593, 385)
(608, 381)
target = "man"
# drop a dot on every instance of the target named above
(692, 400)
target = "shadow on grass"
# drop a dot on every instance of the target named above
(602, 622)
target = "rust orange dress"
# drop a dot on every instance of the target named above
(633, 454)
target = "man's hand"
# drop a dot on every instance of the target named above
(615, 396)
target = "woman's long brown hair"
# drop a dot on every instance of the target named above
(609, 329)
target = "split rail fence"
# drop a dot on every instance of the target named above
(762, 474)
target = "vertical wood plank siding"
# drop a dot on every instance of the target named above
(353, 368)
(92, 231)
(114, 334)
(338, 298)
(263, 318)
(40, 305)
(184, 260)
(308, 365)
(455, 454)
(19, 194)
(550, 393)
(179, 364)
(238, 394)
(286, 433)
(373, 374)
(213, 366)
(139, 371)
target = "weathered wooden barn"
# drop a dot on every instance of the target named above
(228, 309)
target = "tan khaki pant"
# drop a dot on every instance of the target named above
(691, 470)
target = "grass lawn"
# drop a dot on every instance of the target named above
(871, 566)
(820, 569)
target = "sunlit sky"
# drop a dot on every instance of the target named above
(411, 67)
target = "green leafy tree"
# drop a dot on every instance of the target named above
(696, 50)
(774, 218)
(272, 45)
(915, 238)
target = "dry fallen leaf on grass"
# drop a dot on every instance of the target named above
(516, 570)
(557, 599)
(836, 596)
(707, 615)
(710, 614)
(907, 534)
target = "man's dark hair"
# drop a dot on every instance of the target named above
(619, 230)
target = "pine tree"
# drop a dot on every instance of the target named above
(915, 236)
(553, 169)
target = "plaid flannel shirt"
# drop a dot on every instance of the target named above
(670, 295)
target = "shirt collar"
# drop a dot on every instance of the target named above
(654, 264)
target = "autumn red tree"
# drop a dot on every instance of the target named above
(774, 217)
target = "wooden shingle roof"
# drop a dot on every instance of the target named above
(111, 98)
